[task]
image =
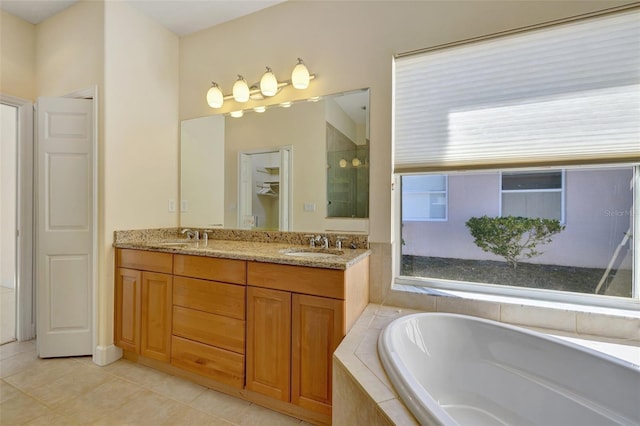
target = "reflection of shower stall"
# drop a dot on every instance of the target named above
(264, 182)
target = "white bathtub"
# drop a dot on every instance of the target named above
(459, 370)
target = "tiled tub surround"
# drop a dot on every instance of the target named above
(364, 395)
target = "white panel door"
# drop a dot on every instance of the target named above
(64, 241)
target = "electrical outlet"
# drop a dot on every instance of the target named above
(184, 206)
(172, 206)
(309, 207)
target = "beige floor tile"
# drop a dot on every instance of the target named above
(7, 391)
(108, 396)
(136, 373)
(143, 408)
(10, 349)
(179, 389)
(17, 363)
(71, 385)
(221, 405)
(41, 373)
(53, 419)
(188, 416)
(259, 416)
(21, 409)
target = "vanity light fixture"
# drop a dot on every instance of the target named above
(260, 109)
(240, 90)
(267, 87)
(356, 162)
(269, 83)
(285, 104)
(236, 114)
(215, 98)
(300, 76)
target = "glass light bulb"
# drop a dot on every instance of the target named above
(236, 114)
(260, 109)
(300, 76)
(215, 98)
(240, 90)
(355, 162)
(268, 83)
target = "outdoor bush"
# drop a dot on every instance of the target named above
(511, 237)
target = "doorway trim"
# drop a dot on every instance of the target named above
(25, 302)
(285, 201)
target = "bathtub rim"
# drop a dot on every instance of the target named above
(410, 391)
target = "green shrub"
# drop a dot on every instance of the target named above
(511, 237)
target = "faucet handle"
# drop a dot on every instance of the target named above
(205, 235)
(339, 240)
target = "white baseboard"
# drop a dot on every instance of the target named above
(105, 355)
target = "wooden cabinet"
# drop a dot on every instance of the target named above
(317, 328)
(269, 342)
(296, 318)
(143, 303)
(209, 318)
(127, 309)
(155, 321)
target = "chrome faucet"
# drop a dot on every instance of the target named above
(312, 240)
(339, 242)
(191, 235)
(205, 235)
(325, 241)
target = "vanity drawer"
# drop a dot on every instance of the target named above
(210, 296)
(297, 279)
(217, 364)
(144, 260)
(223, 332)
(210, 268)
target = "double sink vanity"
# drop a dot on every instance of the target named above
(253, 314)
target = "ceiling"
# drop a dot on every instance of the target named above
(183, 17)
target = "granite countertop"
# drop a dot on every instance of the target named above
(249, 250)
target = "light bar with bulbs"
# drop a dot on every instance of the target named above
(268, 86)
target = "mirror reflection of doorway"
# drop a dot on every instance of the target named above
(8, 221)
(264, 189)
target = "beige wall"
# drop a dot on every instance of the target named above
(140, 151)
(17, 57)
(349, 45)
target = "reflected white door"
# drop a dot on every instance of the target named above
(64, 241)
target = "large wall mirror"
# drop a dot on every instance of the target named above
(326, 141)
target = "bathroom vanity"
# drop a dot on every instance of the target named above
(242, 317)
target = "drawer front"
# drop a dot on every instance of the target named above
(298, 279)
(215, 330)
(209, 296)
(220, 365)
(210, 268)
(145, 260)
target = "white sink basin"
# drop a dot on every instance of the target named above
(316, 255)
(312, 253)
(182, 243)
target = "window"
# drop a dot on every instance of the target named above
(511, 134)
(424, 198)
(533, 194)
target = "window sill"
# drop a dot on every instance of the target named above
(602, 322)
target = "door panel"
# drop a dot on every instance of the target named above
(127, 309)
(65, 227)
(269, 342)
(157, 296)
(317, 327)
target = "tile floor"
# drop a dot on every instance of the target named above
(74, 391)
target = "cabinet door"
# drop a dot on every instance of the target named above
(156, 316)
(127, 309)
(268, 354)
(317, 330)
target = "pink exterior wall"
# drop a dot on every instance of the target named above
(598, 213)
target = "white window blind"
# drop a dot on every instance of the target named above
(569, 92)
